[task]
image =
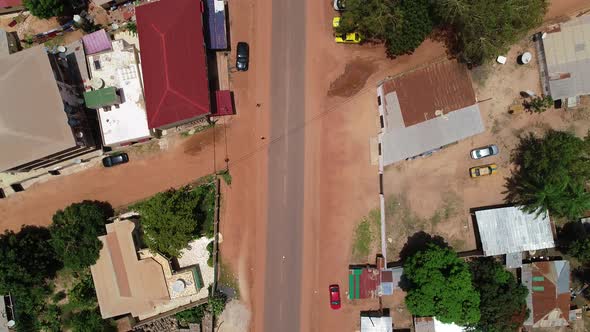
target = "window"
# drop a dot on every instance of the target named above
(379, 100)
(97, 64)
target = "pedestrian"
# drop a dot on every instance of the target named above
(262, 137)
(258, 105)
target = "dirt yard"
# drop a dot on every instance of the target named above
(434, 194)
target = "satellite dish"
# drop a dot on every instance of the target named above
(11, 323)
(97, 83)
(439, 113)
(179, 285)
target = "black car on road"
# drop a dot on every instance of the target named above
(115, 160)
(242, 56)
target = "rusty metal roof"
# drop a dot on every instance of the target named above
(444, 86)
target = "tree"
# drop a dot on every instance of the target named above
(484, 29)
(580, 249)
(90, 321)
(45, 8)
(171, 219)
(574, 240)
(551, 174)
(83, 294)
(216, 304)
(401, 24)
(75, 232)
(502, 298)
(27, 262)
(539, 104)
(192, 315)
(440, 285)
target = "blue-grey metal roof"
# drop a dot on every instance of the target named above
(400, 142)
(567, 55)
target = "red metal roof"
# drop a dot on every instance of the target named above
(173, 61)
(223, 103)
(10, 3)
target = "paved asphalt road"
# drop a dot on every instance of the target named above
(285, 177)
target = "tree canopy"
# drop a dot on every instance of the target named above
(574, 240)
(75, 232)
(440, 285)
(402, 25)
(171, 219)
(45, 8)
(551, 173)
(502, 298)
(479, 30)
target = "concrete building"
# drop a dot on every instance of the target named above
(431, 324)
(9, 43)
(426, 109)
(548, 299)
(142, 283)
(376, 321)
(43, 120)
(116, 91)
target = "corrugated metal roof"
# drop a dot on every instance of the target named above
(376, 324)
(224, 103)
(405, 142)
(509, 229)
(96, 42)
(217, 36)
(567, 51)
(173, 61)
(548, 300)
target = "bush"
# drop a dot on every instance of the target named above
(216, 304)
(193, 315)
(90, 321)
(83, 294)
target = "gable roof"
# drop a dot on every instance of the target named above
(508, 230)
(123, 283)
(173, 61)
(30, 128)
(548, 300)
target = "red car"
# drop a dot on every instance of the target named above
(335, 297)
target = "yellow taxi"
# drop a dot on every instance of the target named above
(348, 38)
(483, 170)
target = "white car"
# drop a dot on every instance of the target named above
(485, 151)
(339, 5)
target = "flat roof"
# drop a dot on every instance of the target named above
(508, 230)
(567, 55)
(33, 123)
(124, 284)
(119, 68)
(98, 41)
(101, 97)
(173, 61)
(431, 324)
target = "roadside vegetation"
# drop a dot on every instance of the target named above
(479, 294)
(475, 30)
(366, 236)
(46, 271)
(214, 306)
(551, 174)
(171, 219)
(46, 8)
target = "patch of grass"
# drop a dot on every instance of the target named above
(225, 176)
(457, 244)
(228, 278)
(362, 240)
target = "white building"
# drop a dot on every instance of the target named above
(122, 115)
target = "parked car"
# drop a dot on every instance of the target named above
(483, 170)
(339, 5)
(346, 38)
(115, 160)
(335, 297)
(485, 151)
(242, 56)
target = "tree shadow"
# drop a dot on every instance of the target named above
(571, 232)
(420, 241)
(36, 239)
(105, 207)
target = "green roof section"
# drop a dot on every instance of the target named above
(540, 278)
(101, 97)
(354, 283)
(538, 288)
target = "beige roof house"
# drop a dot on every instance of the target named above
(124, 284)
(33, 123)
